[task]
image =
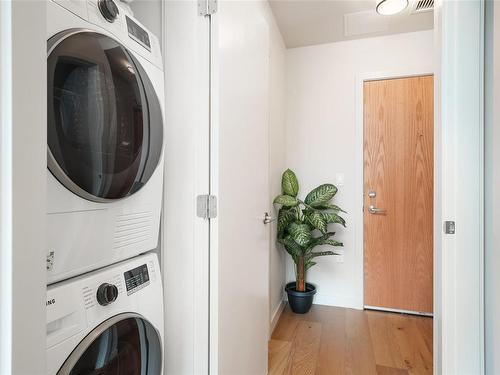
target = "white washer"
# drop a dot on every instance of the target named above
(105, 136)
(107, 320)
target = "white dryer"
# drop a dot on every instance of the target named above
(104, 134)
(108, 321)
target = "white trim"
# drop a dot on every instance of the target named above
(201, 267)
(438, 268)
(481, 197)
(214, 190)
(358, 207)
(276, 317)
(462, 162)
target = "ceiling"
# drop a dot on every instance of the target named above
(309, 22)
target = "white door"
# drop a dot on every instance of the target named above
(242, 54)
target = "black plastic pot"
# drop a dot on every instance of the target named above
(300, 302)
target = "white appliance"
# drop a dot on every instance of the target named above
(107, 320)
(104, 134)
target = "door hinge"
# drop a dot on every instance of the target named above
(449, 227)
(206, 206)
(207, 7)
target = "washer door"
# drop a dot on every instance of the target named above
(123, 345)
(104, 128)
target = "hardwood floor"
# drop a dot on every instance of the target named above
(332, 340)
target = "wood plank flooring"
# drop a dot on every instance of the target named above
(332, 340)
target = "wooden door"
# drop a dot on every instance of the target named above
(398, 180)
(243, 239)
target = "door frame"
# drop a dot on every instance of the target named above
(359, 170)
(185, 237)
(459, 331)
(23, 183)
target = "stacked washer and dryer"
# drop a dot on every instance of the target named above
(105, 181)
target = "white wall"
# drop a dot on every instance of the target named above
(277, 161)
(321, 137)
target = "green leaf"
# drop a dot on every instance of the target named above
(291, 246)
(309, 264)
(300, 233)
(323, 242)
(285, 217)
(286, 200)
(331, 243)
(330, 207)
(289, 183)
(316, 240)
(321, 195)
(333, 218)
(320, 254)
(317, 221)
(326, 236)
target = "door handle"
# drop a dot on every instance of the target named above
(268, 218)
(374, 210)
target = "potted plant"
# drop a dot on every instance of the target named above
(302, 226)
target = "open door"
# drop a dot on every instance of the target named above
(243, 188)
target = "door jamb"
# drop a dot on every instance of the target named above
(23, 177)
(459, 84)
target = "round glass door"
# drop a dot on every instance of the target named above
(123, 345)
(104, 126)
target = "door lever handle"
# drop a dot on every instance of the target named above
(268, 218)
(374, 210)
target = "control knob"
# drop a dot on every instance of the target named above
(106, 293)
(108, 9)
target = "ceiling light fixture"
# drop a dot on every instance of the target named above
(390, 7)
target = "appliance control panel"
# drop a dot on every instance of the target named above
(137, 33)
(81, 303)
(136, 278)
(114, 18)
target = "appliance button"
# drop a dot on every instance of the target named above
(108, 9)
(106, 294)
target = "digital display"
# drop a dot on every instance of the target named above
(136, 278)
(137, 33)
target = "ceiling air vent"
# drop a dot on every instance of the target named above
(420, 6)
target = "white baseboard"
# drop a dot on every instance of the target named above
(275, 317)
(338, 301)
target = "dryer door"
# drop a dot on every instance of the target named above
(125, 344)
(104, 126)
